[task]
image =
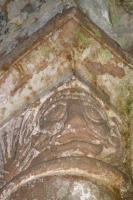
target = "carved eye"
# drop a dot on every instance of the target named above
(56, 113)
(93, 114)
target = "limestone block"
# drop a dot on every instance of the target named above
(65, 108)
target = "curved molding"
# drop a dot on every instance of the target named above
(79, 166)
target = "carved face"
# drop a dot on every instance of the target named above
(72, 123)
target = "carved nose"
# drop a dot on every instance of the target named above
(75, 115)
(76, 120)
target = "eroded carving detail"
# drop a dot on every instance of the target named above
(69, 123)
(72, 123)
(16, 147)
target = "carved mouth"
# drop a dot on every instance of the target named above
(81, 143)
(90, 138)
(71, 144)
(70, 148)
(77, 147)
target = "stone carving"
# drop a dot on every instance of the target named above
(72, 123)
(69, 124)
(15, 146)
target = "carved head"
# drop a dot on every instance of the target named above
(77, 138)
(73, 123)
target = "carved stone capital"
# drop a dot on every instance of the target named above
(66, 122)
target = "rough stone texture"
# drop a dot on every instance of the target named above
(68, 187)
(83, 167)
(114, 19)
(70, 49)
(65, 111)
(69, 123)
(128, 5)
(20, 19)
(65, 107)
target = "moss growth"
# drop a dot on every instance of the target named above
(104, 56)
(82, 38)
(127, 108)
(48, 49)
(125, 95)
(45, 51)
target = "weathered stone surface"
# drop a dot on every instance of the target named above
(21, 19)
(67, 187)
(65, 107)
(18, 20)
(82, 167)
(72, 121)
(115, 19)
(75, 123)
(72, 47)
(128, 5)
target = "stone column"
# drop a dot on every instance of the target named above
(64, 129)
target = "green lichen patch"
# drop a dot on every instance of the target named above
(104, 56)
(45, 51)
(48, 49)
(125, 93)
(127, 108)
(82, 38)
